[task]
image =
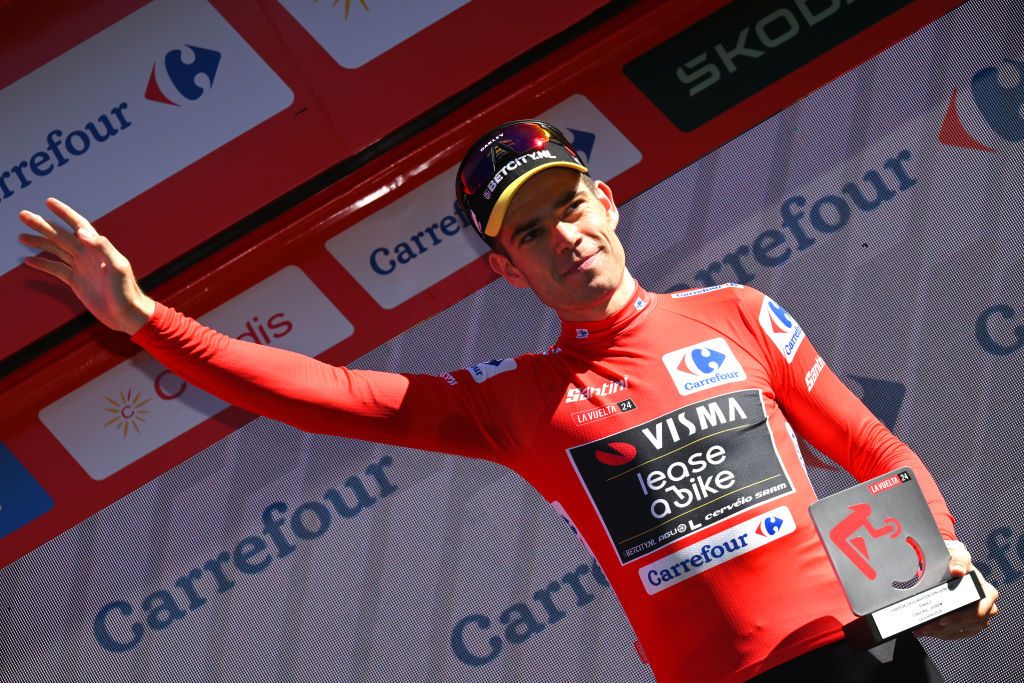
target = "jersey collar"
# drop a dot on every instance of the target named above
(586, 333)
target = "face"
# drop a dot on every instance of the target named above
(560, 241)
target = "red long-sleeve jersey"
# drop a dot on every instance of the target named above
(662, 434)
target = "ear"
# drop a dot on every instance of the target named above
(604, 195)
(503, 266)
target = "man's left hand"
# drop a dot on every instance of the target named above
(968, 620)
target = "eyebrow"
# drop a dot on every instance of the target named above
(535, 221)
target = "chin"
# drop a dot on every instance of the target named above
(597, 291)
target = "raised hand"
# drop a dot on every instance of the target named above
(98, 274)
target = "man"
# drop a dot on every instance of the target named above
(655, 424)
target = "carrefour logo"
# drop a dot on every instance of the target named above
(143, 100)
(769, 526)
(701, 366)
(704, 360)
(992, 113)
(717, 550)
(784, 332)
(178, 78)
(61, 148)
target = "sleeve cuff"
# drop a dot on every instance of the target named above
(153, 326)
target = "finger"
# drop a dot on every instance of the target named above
(71, 217)
(41, 225)
(59, 270)
(105, 247)
(57, 234)
(959, 558)
(47, 245)
(987, 605)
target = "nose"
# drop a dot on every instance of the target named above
(566, 236)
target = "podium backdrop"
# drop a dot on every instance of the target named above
(882, 210)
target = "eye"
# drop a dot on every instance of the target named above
(530, 235)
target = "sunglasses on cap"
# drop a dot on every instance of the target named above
(501, 161)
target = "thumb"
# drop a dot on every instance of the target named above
(959, 558)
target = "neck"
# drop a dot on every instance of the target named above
(620, 296)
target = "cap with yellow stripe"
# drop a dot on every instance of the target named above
(501, 161)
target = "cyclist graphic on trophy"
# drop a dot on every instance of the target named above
(855, 548)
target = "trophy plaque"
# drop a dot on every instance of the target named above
(891, 561)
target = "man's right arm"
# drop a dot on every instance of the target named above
(420, 411)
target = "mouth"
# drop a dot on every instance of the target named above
(582, 265)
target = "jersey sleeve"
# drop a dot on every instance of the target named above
(824, 411)
(450, 414)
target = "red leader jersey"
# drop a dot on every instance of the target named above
(662, 434)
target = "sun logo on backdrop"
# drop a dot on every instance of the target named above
(127, 412)
(348, 5)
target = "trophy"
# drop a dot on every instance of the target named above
(891, 560)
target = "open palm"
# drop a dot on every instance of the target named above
(99, 275)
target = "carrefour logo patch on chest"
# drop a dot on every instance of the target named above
(784, 332)
(702, 366)
(658, 482)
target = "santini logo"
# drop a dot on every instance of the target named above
(612, 387)
(703, 366)
(177, 79)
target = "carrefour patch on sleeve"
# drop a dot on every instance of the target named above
(784, 332)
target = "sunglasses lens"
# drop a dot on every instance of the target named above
(503, 159)
(514, 140)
